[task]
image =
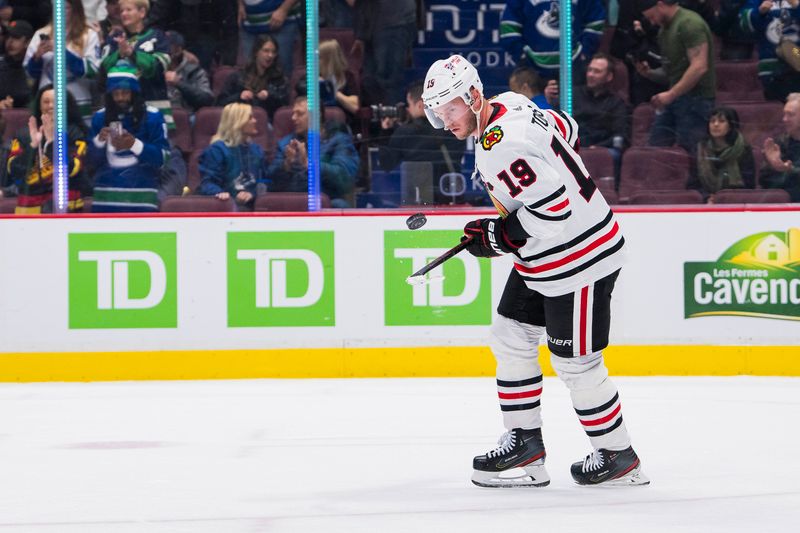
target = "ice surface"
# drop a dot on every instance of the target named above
(384, 455)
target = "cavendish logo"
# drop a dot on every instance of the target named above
(491, 137)
(759, 276)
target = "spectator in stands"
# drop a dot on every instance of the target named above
(261, 82)
(82, 61)
(145, 48)
(112, 22)
(338, 159)
(128, 147)
(529, 31)
(525, 81)
(210, 27)
(336, 13)
(601, 115)
(30, 163)
(96, 11)
(333, 70)
(737, 43)
(775, 25)
(635, 40)
(385, 32)
(15, 88)
(724, 159)
(781, 169)
(280, 19)
(187, 82)
(36, 12)
(417, 140)
(688, 70)
(232, 165)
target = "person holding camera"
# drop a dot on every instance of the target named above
(775, 24)
(417, 140)
(128, 147)
(338, 159)
(82, 57)
(686, 45)
(232, 165)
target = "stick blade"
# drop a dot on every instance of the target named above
(423, 279)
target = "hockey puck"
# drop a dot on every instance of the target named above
(416, 221)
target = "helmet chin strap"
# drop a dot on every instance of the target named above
(477, 132)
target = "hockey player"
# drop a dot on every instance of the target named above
(567, 248)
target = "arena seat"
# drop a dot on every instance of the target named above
(759, 120)
(15, 118)
(7, 205)
(737, 81)
(181, 135)
(598, 162)
(219, 77)
(193, 171)
(643, 117)
(620, 83)
(612, 198)
(688, 196)
(649, 168)
(752, 196)
(287, 201)
(197, 204)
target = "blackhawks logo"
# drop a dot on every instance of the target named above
(491, 137)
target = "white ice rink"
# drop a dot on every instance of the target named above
(384, 455)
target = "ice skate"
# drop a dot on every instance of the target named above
(518, 461)
(610, 468)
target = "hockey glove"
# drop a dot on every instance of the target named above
(489, 238)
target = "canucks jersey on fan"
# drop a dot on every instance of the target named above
(530, 29)
(527, 159)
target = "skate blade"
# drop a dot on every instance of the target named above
(528, 476)
(632, 479)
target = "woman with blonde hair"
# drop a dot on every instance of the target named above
(83, 57)
(233, 165)
(333, 74)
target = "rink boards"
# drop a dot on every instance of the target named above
(704, 292)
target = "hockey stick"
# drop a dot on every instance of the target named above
(418, 277)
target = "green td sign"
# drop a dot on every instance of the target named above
(463, 298)
(122, 280)
(280, 279)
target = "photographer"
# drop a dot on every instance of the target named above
(775, 25)
(417, 140)
(128, 147)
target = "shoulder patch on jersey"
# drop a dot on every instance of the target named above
(492, 137)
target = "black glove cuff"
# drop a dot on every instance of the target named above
(513, 228)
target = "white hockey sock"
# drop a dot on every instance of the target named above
(519, 377)
(595, 399)
(600, 414)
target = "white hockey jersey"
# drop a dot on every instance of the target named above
(527, 161)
